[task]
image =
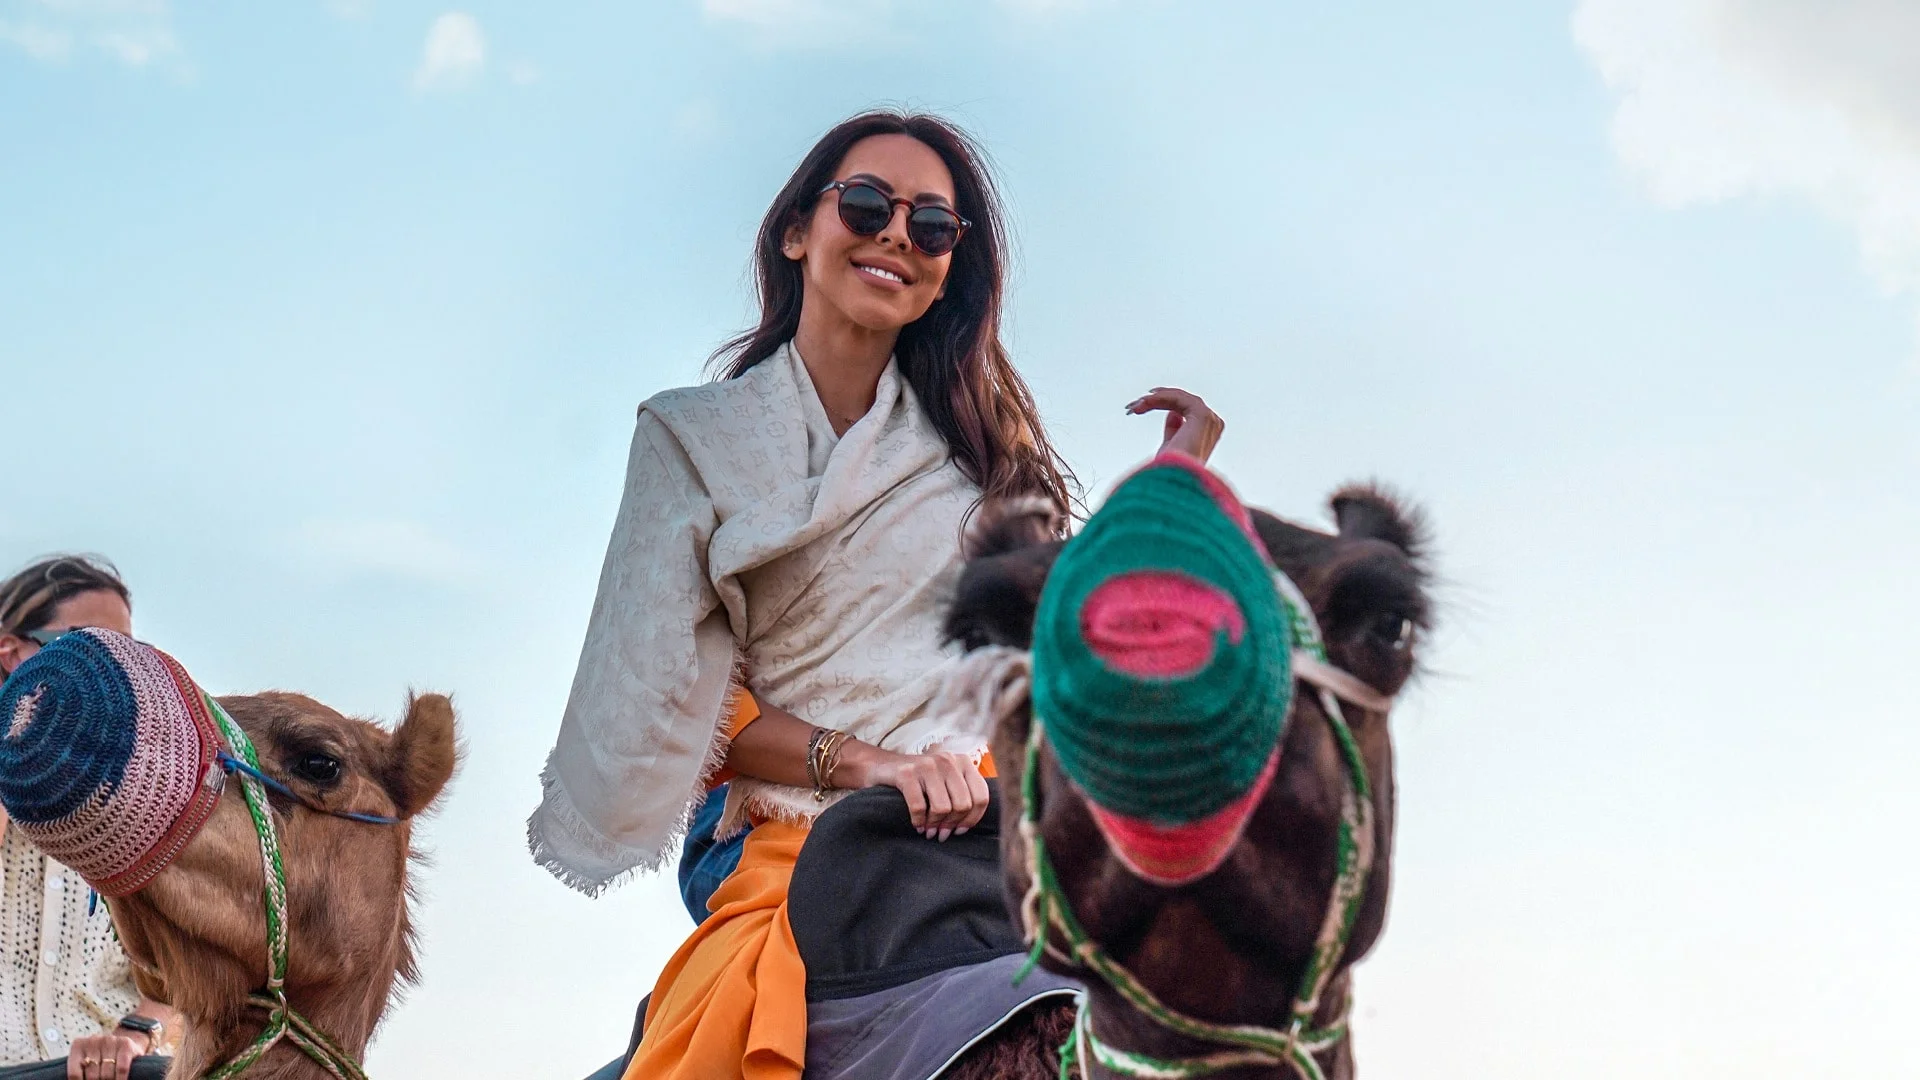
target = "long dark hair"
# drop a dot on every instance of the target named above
(952, 356)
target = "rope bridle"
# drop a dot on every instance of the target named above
(1045, 908)
(283, 1022)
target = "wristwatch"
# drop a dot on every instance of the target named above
(154, 1030)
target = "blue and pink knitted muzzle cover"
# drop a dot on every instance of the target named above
(109, 757)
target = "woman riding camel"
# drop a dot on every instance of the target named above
(769, 610)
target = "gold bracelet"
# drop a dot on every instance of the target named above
(813, 750)
(815, 756)
(825, 759)
(832, 757)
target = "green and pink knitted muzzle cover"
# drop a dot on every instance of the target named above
(1162, 669)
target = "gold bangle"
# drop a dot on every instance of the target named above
(833, 759)
(813, 750)
(814, 759)
(822, 761)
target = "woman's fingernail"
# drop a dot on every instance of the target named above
(961, 831)
(944, 833)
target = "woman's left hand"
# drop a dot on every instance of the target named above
(107, 1056)
(1192, 427)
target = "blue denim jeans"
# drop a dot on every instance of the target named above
(612, 1070)
(705, 862)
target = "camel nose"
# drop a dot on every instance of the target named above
(1162, 669)
(107, 761)
(1157, 625)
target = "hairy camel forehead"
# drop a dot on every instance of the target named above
(296, 718)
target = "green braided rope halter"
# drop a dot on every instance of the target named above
(282, 1021)
(1045, 908)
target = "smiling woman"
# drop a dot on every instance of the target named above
(837, 279)
(769, 613)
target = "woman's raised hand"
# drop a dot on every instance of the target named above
(945, 792)
(1192, 427)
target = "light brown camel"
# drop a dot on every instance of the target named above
(197, 933)
(1230, 948)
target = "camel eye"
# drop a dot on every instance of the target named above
(317, 768)
(1395, 629)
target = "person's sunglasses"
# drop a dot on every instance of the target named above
(44, 638)
(865, 210)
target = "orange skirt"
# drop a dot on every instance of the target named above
(733, 1000)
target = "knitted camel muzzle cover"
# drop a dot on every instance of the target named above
(1162, 669)
(108, 761)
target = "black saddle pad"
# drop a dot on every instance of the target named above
(145, 1067)
(875, 905)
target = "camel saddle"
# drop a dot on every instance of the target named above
(910, 953)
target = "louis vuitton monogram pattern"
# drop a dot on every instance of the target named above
(752, 542)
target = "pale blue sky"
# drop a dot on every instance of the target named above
(335, 350)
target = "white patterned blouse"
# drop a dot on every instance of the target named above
(62, 973)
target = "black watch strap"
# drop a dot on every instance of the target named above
(145, 1025)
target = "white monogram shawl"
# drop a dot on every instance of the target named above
(753, 544)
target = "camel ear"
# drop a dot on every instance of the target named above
(1010, 524)
(1370, 512)
(997, 596)
(421, 757)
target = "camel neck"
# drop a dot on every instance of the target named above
(212, 1042)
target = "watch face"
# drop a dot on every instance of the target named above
(144, 1025)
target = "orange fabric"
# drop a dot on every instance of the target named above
(742, 710)
(733, 1000)
(987, 768)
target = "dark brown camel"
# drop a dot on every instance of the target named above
(197, 935)
(1232, 947)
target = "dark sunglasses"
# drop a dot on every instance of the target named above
(865, 210)
(44, 638)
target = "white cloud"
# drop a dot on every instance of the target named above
(402, 549)
(802, 23)
(137, 49)
(795, 14)
(37, 41)
(808, 23)
(1046, 7)
(138, 33)
(455, 53)
(1813, 99)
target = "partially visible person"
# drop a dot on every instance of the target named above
(66, 989)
